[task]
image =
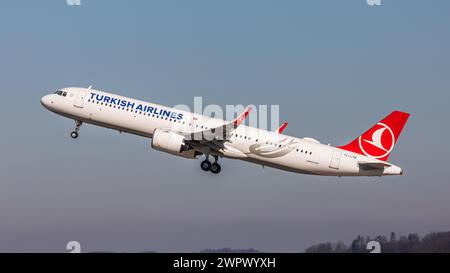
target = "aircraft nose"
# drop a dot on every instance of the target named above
(46, 101)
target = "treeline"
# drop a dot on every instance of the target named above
(434, 242)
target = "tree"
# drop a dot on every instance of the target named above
(393, 237)
(434, 242)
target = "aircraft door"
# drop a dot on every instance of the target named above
(79, 99)
(335, 160)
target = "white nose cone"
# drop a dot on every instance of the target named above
(46, 101)
(393, 170)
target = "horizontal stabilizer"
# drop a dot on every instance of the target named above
(374, 165)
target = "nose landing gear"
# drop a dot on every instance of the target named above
(75, 134)
(207, 166)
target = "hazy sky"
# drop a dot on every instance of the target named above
(334, 67)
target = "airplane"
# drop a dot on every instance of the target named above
(191, 135)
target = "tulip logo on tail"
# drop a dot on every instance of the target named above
(379, 141)
(381, 144)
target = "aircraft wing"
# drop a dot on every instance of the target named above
(231, 126)
(214, 138)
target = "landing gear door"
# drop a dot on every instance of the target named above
(79, 98)
(335, 160)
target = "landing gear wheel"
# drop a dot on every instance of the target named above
(74, 134)
(216, 168)
(206, 165)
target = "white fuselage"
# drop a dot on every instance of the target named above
(250, 144)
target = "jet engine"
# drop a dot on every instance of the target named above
(172, 143)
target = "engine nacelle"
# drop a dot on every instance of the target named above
(172, 143)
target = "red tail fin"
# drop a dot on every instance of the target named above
(379, 141)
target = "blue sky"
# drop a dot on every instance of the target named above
(334, 67)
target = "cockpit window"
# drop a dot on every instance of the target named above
(61, 93)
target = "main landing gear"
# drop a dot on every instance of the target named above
(207, 166)
(74, 134)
